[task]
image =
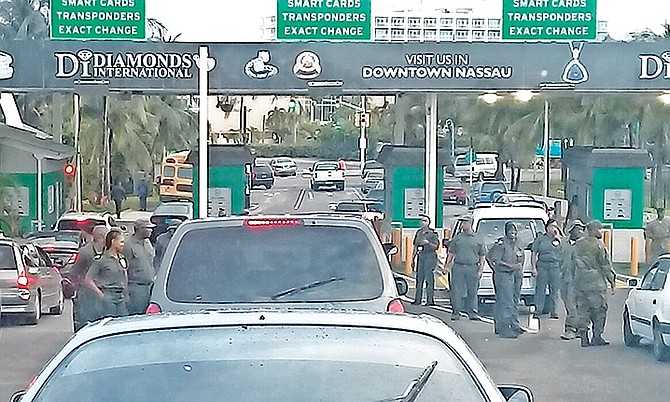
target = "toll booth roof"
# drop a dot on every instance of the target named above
(592, 157)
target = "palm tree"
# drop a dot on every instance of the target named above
(24, 19)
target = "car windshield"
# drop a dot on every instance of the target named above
(491, 187)
(172, 209)
(284, 160)
(185, 173)
(453, 183)
(288, 363)
(350, 207)
(7, 261)
(375, 175)
(492, 229)
(168, 171)
(327, 166)
(86, 225)
(254, 264)
(461, 161)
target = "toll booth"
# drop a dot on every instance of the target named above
(404, 172)
(229, 179)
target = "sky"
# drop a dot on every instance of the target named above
(240, 20)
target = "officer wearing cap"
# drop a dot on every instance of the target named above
(575, 232)
(424, 260)
(545, 263)
(140, 255)
(467, 252)
(506, 259)
(593, 272)
(657, 235)
(107, 278)
(162, 241)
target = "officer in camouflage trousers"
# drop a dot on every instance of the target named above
(546, 266)
(575, 232)
(593, 272)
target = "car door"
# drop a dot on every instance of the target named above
(656, 291)
(50, 277)
(640, 309)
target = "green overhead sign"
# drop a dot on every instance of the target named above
(98, 19)
(549, 20)
(323, 19)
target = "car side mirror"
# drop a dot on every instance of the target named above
(17, 396)
(390, 248)
(633, 283)
(401, 285)
(515, 393)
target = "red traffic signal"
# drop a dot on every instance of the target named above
(69, 170)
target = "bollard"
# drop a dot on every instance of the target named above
(409, 254)
(633, 256)
(606, 239)
(396, 238)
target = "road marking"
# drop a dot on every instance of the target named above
(360, 197)
(254, 207)
(298, 201)
(310, 195)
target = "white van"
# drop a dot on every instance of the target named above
(484, 166)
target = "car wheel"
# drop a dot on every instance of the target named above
(58, 309)
(35, 317)
(660, 350)
(629, 339)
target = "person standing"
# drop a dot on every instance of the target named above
(85, 303)
(546, 267)
(107, 278)
(424, 261)
(467, 252)
(118, 195)
(575, 232)
(162, 241)
(140, 256)
(143, 193)
(506, 259)
(657, 235)
(593, 271)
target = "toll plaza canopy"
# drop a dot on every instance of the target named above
(348, 67)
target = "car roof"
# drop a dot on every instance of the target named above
(507, 211)
(85, 215)
(173, 207)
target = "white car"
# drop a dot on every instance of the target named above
(85, 221)
(489, 223)
(646, 313)
(484, 165)
(284, 166)
(326, 174)
(298, 356)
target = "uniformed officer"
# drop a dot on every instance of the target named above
(593, 271)
(545, 264)
(468, 254)
(140, 256)
(424, 260)
(657, 235)
(575, 232)
(162, 241)
(108, 279)
(85, 303)
(506, 258)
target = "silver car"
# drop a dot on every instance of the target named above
(318, 261)
(30, 284)
(284, 166)
(270, 355)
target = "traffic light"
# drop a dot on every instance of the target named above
(292, 105)
(69, 171)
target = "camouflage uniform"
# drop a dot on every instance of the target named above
(549, 255)
(109, 275)
(658, 231)
(567, 288)
(427, 262)
(505, 251)
(592, 273)
(140, 255)
(467, 250)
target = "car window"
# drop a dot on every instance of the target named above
(492, 229)
(255, 264)
(460, 161)
(168, 171)
(350, 207)
(284, 160)
(661, 274)
(649, 277)
(288, 363)
(491, 187)
(326, 166)
(185, 173)
(453, 183)
(375, 175)
(86, 225)
(45, 261)
(7, 260)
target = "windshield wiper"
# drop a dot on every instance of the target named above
(415, 386)
(305, 287)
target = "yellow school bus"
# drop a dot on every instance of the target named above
(176, 179)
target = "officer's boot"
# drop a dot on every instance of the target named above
(598, 340)
(584, 338)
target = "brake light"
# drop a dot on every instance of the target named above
(49, 249)
(80, 219)
(395, 306)
(22, 282)
(153, 309)
(253, 175)
(73, 258)
(259, 223)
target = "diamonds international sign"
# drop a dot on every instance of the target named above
(98, 19)
(549, 20)
(323, 19)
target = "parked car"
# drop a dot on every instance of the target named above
(167, 211)
(484, 165)
(489, 223)
(368, 209)
(372, 179)
(315, 260)
(486, 191)
(61, 246)
(371, 165)
(262, 175)
(284, 166)
(646, 314)
(268, 355)
(326, 174)
(453, 190)
(30, 285)
(377, 194)
(85, 221)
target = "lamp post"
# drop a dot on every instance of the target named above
(450, 124)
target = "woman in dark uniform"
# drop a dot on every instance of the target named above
(108, 278)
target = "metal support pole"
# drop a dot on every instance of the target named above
(203, 156)
(431, 158)
(77, 147)
(546, 149)
(40, 203)
(362, 141)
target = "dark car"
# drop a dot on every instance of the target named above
(453, 190)
(166, 212)
(486, 191)
(62, 246)
(262, 175)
